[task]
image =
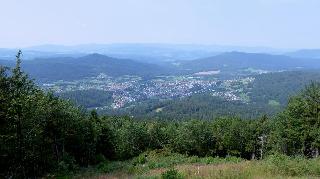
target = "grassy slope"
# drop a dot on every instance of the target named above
(153, 164)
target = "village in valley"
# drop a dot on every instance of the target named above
(127, 89)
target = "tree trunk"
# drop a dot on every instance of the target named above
(253, 156)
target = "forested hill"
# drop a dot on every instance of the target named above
(305, 53)
(281, 86)
(67, 68)
(240, 60)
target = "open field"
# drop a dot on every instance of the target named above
(156, 165)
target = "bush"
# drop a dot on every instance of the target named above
(141, 159)
(233, 159)
(67, 165)
(292, 166)
(171, 174)
(108, 166)
(100, 158)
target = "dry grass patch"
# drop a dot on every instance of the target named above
(243, 170)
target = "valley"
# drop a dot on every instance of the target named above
(229, 83)
(129, 89)
(246, 84)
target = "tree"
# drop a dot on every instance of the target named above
(298, 125)
(194, 137)
(39, 132)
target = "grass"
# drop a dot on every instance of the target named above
(164, 164)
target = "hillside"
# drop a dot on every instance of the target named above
(305, 53)
(231, 61)
(67, 68)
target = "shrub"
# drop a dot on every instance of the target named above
(108, 166)
(141, 159)
(66, 165)
(292, 166)
(100, 158)
(171, 174)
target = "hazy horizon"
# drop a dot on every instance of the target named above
(289, 24)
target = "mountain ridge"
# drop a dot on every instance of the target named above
(241, 60)
(71, 68)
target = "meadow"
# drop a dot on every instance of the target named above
(167, 165)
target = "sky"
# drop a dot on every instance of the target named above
(268, 23)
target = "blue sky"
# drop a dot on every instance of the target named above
(273, 23)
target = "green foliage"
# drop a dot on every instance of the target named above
(194, 137)
(273, 166)
(298, 126)
(280, 86)
(198, 106)
(40, 133)
(141, 159)
(171, 174)
(164, 158)
(88, 98)
(108, 166)
(66, 165)
(292, 166)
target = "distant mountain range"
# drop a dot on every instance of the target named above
(72, 68)
(69, 68)
(239, 60)
(148, 52)
(123, 48)
(9, 54)
(306, 53)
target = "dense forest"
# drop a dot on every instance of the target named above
(88, 98)
(41, 133)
